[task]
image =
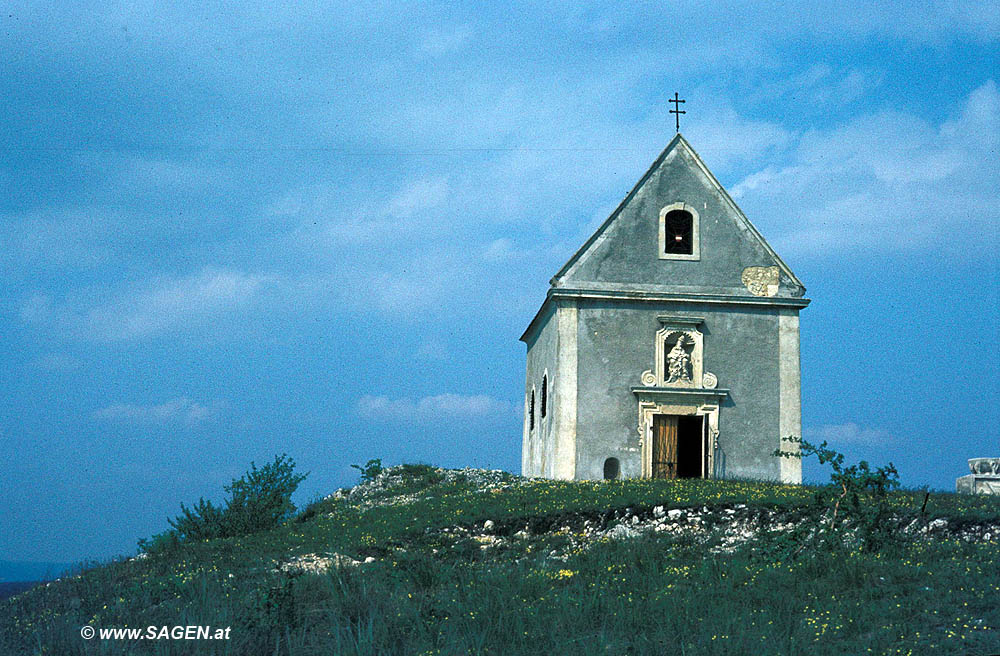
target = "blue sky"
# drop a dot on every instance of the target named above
(230, 231)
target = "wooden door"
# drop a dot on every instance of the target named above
(664, 446)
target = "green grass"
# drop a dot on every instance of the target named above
(428, 594)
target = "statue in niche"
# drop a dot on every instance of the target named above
(678, 362)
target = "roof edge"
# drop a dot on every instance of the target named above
(536, 320)
(556, 293)
(597, 233)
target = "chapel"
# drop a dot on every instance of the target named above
(668, 345)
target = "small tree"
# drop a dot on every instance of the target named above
(865, 490)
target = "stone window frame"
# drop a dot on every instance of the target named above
(695, 233)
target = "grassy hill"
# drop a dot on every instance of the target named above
(428, 561)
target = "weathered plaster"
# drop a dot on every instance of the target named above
(790, 413)
(566, 398)
(616, 345)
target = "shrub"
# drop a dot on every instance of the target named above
(371, 469)
(259, 500)
(203, 522)
(426, 474)
(858, 489)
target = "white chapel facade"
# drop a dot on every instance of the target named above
(668, 345)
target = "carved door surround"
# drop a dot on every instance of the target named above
(666, 401)
(679, 385)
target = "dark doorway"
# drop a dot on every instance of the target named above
(611, 468)
(677, 444)
(689, 446)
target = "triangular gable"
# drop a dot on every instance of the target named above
(678, 142)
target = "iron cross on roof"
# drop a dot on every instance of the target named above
(677, 111)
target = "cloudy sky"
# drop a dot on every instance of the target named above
(230, 231)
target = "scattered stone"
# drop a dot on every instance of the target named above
(316, 564)
(721, 530)
(622, 532)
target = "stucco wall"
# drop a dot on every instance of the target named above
(616, 344)
(537, 445)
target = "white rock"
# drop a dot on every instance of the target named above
(675, 514)
(658, 512)
(622, 532)
(488, 525)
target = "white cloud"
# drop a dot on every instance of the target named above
(432, 348)
(499, 250)
(37, 308)
(57, 362)
(175, 410)
(333, 217)
(433, 408)
(725, 138)
(418, 196)
(849, 433)
(888, 182)
(820, 84)
(441, 41)
(172, 302)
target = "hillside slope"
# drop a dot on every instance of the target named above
(428, 561)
